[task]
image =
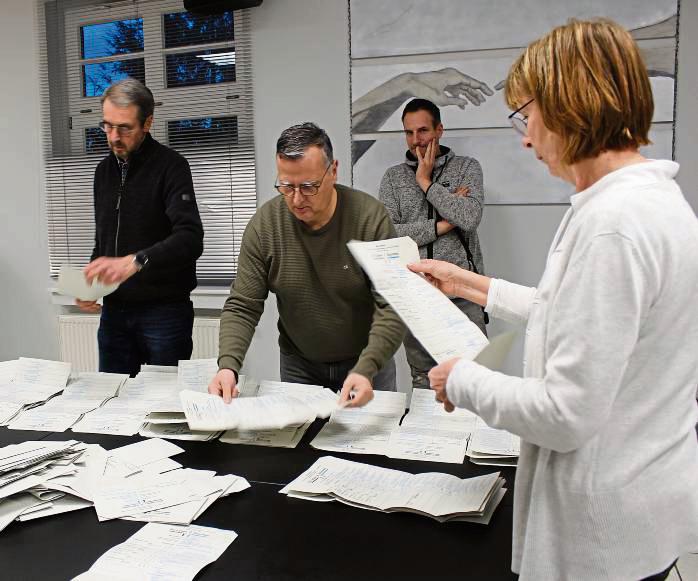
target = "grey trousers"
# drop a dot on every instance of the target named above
(420, 361)
(297, 369)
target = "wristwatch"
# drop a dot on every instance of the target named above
(140, 260)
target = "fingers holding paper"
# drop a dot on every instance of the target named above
(453, 280)
(224, 384)
(356, 391)
(108, 270)
(92, 307)
(438, 378)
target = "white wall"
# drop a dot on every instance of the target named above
(27, 324)
(301, 67)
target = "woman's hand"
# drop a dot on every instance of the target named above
(453, 280)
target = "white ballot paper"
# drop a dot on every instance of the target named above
(42, 372)
(195, 374)
(72, 283)
(364, 430)
(7, 371)
(270, 412)
(442, 329)
(439, 496)
(160, 551)
(493, 447)
(429, 433)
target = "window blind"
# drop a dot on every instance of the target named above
(199, 70)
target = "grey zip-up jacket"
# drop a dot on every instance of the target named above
(408, 208)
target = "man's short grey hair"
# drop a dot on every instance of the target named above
(131, 92)
(296, 139)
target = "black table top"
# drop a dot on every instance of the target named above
(279, 537)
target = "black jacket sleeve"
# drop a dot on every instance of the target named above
(186, 242)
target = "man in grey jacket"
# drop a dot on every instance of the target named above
(436, 198)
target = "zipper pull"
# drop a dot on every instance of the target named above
(118, 201)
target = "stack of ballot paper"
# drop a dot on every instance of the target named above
(143, 484)
(287, 437)
(24, 470)
(159, 551)
(429, 433)
(274, 408)
(125, 415)
(440, 496)
(166, 418)
(493, 447)
(364, 430)
(85, 392)
(136, 482)
(29, 382)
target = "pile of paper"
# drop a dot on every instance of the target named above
(440, 496)
(429, 433)
(142, 483)
(135, 482)
(159, 551)
(276, 407)
(364, 430)
(26, 382)
(126, 414)
(493, 447)
(166, 418)
(289, 436)
(24, 470)
(85, 392)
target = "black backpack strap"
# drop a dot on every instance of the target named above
(471, 263)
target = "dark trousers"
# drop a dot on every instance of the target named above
(420, 361)
(157, 334)
(297, 369)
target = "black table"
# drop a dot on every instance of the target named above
(279, 537)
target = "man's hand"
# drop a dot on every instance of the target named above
(425, 165)
(463, 192)
(109, 270)
(224, 384)
(91, 307)
(438, 377)
(356, 391)
(443, 227)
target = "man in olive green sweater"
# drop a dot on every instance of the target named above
(334, 329)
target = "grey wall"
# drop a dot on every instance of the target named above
(687, 102)
(301, 69)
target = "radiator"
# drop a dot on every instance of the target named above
(78, 340)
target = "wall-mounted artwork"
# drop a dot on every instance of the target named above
(457, 53)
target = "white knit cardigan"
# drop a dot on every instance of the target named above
(607, 483)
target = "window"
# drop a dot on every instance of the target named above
(198, 132)
(205, 67)
(199, 70)
(107, 39)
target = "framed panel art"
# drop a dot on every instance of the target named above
(457, 54)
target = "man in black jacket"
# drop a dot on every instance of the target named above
(148, 236)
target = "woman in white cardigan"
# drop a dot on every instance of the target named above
(607, 483)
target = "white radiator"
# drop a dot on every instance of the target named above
(78, 340)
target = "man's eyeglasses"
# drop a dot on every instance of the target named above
(120, 129)
(306, 189)
(518, 121)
